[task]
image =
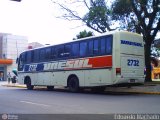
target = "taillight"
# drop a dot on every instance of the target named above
(118, 71)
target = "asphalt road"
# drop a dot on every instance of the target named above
(40, 101)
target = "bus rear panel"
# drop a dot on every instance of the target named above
(129, 59)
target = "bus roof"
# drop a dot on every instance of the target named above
(101, 35)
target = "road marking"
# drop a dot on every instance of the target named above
(39, 104)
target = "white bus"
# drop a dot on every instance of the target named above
(115, 58)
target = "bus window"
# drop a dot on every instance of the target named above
(67, 50)
(83, 49)
(90, 47)
(28, 60)
(53, 53)
(60, 51)
(103, 46)
(75, 49)
(36, 56)
(109, 45)
(96, 47)
(23, 58)
(42, 54)
(48, 53)
(32, 56)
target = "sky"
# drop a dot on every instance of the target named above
(37, 19)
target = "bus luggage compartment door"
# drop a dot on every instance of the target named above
(132, 66)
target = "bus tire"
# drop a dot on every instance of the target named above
(73, 84)
(50, 88)
(29, 85)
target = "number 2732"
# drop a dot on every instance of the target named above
(132, 62)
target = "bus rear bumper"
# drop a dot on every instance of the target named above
(122, 82)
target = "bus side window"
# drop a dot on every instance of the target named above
(103, 47)
(109, 45)
(60, 51)
(36, 56)
(75, 49)
(53, 53)
(29, 57)
(25, 57)
(22, 58)
(83, 49)
(42, 54)
(96, 47)
(90, 47)
(32, 56)
(48, 53)
(67, 50)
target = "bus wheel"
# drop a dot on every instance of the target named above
(73, 84)
(29, 86)
(50, 88)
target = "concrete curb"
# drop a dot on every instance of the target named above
(136, 92)
(120, 91)
(19, 86)
(152, 93)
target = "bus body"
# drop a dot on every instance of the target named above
(116, 58)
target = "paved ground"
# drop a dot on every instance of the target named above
(147, 88)
(40, 101)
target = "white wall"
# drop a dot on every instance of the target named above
(13, 45)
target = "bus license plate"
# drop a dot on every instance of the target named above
(132, 80)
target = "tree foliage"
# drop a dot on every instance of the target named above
(84, 34)
(97, 16)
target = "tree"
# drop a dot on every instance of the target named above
(97, 17)
(84, 34)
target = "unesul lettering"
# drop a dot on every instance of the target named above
(70, 64)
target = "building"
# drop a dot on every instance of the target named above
(34, 45)
(10, 47)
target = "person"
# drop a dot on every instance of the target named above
(9, 77)
(14, 79)
(1, 76)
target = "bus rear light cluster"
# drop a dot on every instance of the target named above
(118, 71)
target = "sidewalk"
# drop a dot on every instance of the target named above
(147, 88)
(5, 83)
